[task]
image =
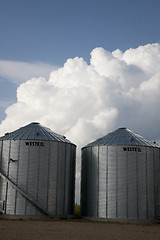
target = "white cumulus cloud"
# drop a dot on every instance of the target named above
(18, 72)
(86, 101)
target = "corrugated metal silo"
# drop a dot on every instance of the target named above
(37, 172)
(120, 177)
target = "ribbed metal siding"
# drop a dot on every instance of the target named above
(102, 181)
(5, 156)
(60, 180)
(71, 181)
(120, 184)
(157, 182)
(46, 174)
(94, 183)
(150, 183)
(10, 200)
(112, 171)
(1, 146)
(84, 183)
(132, 185)
(53, 176)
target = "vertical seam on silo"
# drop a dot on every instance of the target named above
(81, 183)
(8, 173)
(155, 195)
(98, 187)
(137, 186)
(146, 185)
(6, 197)
(1, 170)
(69, 200)
(90, 201)
(15, 205)
(70, 181)
(1, 156)
(27, 177)
(75, 167)
(116, 184)
(9, 159)
(64, 181)
(38, 173)
(56, 210)
(48, 172)
(73, 178)
(158, 182)
(107, 183)
(158, 187)
(84, 180)
(127, 184)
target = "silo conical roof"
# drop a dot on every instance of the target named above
(123, 136)
(34, 131)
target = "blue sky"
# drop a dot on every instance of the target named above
(51, 31)
(54, 30)
(81, 100)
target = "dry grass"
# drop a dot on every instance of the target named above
(77, 213)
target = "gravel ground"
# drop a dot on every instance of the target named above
(75, 230)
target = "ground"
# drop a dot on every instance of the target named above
(75, 230)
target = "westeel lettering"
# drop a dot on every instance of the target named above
(36, 144)
(132, 149)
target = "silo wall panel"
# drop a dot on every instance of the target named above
(23, 166)
(68, 183)
(53, 178)
(150, 183)
(132, 184)
(142, 186)
(2, 183)
(20, 204)
(73, 171)
(33, 165)
(61, 179)
(84, 182)
(2, 194)
(10, 200)
(88, 183)
(112, 182)
(30, 209)
(94, 183)
(103, 182)
(2, 189)
(1, 148)
(121, 182)
(14, 160)
(69, 179)
(5, 156)
(43, 169)
(157, 182)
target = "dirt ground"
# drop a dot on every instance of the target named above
(75, 230)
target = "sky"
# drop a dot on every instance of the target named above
(81, 68)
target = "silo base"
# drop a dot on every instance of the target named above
(120, 220)
(34, 217)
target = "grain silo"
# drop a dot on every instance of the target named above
(37, 172)
(120, 177)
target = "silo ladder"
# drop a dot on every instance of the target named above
(22, 192)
